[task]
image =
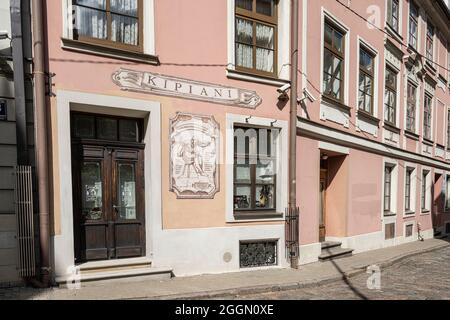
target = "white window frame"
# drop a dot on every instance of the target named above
(435, 57)
(413, 190)
(414, 230)
(432, 95)
(394, 188)
(446, 190)
(400, 20)
(281, 154)
(418, 26)
(418, 108)
(283, 58)
(428, 186)
(327, 15)
(148, 27)
(363, 44)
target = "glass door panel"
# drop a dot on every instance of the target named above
(92, 190)
(126, 191)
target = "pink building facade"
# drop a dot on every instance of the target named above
(151, 100)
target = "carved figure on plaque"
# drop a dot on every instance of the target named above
(194, 145)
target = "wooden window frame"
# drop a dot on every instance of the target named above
(390, 18)
(139, 48)
(335, 53)
(448, 129)
(371, 75)
(423, 198)
(393, 90)
(253, 184)
(408, 185)
(413, 19)
(387, 194)
(447, 193)
(408, 105)
(427, 116)
(254, 18)
(430, 41)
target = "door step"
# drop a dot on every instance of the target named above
(330, 244)
(333, 250)
(99, 271)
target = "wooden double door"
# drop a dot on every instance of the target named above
(108, 193)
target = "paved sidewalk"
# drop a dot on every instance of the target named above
(231, 284)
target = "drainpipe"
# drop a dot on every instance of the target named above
(41, 140)
(293, 115)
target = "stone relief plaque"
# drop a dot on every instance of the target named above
(194, 156)
(154, 83)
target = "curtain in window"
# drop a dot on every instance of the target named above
(244, 40)
(90, 21)
(124, 22)
(264, 50)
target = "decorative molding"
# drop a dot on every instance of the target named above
(392, 59)
(194, 156)
(331, 112)
(430, 88)
(439, 152)
(154, 83)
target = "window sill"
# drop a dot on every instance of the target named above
(429, 65)
(394, 33)
(409, 214)
(391, 127)
(438, 145)
(246, 76)
(425, 212)
(336, 103)
(99, 50)
(256, 215)
(389, 214)
(368, 116)
(411, 135)
(428, 142)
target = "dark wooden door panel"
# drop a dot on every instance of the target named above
(108, 202)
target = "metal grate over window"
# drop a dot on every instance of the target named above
(258, 253)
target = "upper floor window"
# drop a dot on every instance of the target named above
(393, 14)
(447, 193)
(411, 108)
(390, 96)
(413, 24)
(429, 43)
(423, 195)
(256, 36)
(427, 117)
(333, 62)
(366, 76)
(117, 23)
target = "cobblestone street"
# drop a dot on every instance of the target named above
(424, 276)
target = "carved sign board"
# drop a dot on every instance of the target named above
(194, 156)
(171, 86)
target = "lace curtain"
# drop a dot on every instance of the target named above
(91, 20)
(264, 45)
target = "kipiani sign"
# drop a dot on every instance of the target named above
(153, 83)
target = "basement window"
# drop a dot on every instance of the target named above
(260, 253)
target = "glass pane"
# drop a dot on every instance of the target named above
(245, 4)
(244, 55)
(366, 60)
(265, 172)
(98, 4)
(244, 31)
(265, 196)
(328, 34)
(91, 193)
(128, 131)
(107, 129)
(125, 29)
(264, 36)
(338, 41)
(128, 7)
(264, 60)
(242, 173)
(265, 7)
(391, 79)
(84, 127)
(242, 197)
(127, 191)
(90, 22)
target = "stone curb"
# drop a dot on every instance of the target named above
(235, 292)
